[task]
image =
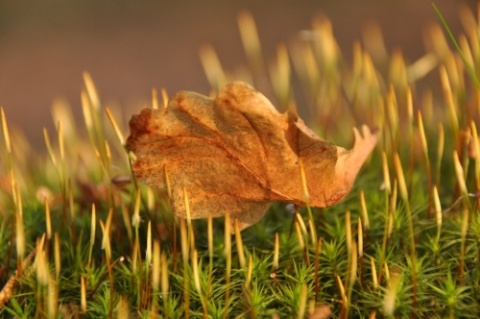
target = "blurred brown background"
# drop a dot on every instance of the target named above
(129, 47)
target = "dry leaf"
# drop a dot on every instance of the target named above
(237, 154)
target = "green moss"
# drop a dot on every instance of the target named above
(97, 262)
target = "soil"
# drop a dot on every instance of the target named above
(130, 47)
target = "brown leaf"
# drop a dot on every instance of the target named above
(237, 154)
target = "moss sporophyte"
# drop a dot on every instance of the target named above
(82, 237)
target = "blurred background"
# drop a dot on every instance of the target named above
(130, 47)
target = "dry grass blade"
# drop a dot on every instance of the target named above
(7, 291)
